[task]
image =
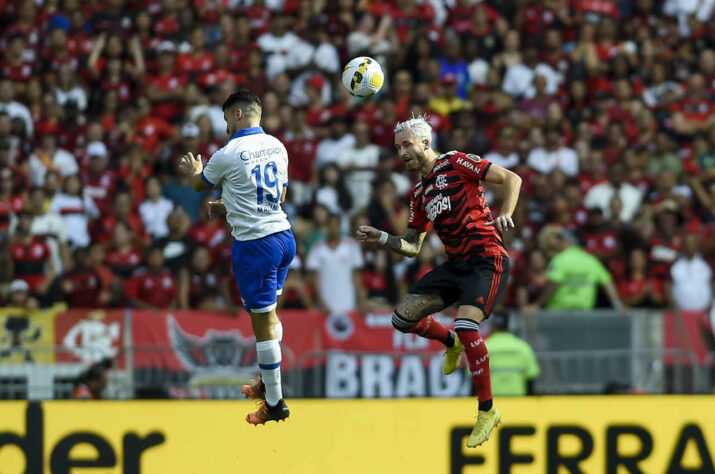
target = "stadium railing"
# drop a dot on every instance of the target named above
(578, 353)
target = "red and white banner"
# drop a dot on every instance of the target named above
(86, 336)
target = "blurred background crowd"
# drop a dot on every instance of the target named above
(605, 108)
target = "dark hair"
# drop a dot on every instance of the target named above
(244, 98)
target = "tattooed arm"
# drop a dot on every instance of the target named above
(408, 245)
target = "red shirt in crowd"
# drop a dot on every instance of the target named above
(662, 255)
(13, 204)
(207, 234)
(188, 63)
(123, 264)
(170, 109)
(202, 285)
(150, 132)
(100, 187)
(103, 230)
(302, 156)
(21, 72)
(157, 290)
(30, 261)
(86, 289)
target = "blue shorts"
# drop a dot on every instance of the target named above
(260, 267)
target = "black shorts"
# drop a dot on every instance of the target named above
(477, 283)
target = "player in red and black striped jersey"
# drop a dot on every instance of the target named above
(450, 198)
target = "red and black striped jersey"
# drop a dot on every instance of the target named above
(452, 199)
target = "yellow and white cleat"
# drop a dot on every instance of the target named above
(486, 422)
(451, 357)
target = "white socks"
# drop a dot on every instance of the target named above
(278, 328)
(269, 361)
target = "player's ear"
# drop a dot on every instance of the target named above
(426, 143)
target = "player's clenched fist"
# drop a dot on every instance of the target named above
(191, 164)
(503, 223)
(366, 233)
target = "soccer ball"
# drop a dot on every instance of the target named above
(363, 77)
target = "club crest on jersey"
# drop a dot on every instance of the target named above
(441, 182)
(437, 206)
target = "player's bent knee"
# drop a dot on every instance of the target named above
(470, 312)
(402, 324)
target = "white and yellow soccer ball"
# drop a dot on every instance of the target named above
(363, 77)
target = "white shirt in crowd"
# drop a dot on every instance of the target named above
(601, 195)
(277, 49)
(329, 148)
(63, 161)
(508, 161)
(215, 115)
(52, 226)
(335, 269)
(358, 180)
(76, 93)
(75, 212)
(519, 80)
(154, 216)
(692, 283)
(545, 161)
(253, 169)
(17, 110)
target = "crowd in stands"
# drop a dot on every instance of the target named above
(605, 108)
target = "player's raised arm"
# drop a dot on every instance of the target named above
(511, 182)
(408, 245)
(193, 166)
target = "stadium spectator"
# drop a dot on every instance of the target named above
(15, 109)
(199, 283)
(574, 275)
(532, 282)
(50, 226)
(176, 245)
(123, 255)
(692, 278)
(31, 257)
(48, 156)
(637, 288)
(339, 139)
(512, 363)
(601, 195)
(504, 153)
(155, 210)
(99, 180)
(83, 287)
(91, 383)
(76, 209)
(18, 296)
(335, 265)
(553, 155)
(359, 164)
(154, 287)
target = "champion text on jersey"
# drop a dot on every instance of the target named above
(437, 206)
(264, 153)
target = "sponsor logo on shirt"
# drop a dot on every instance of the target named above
(264, 153)
(437, 206)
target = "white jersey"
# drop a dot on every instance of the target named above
(253, 169)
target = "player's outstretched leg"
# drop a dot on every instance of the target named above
(417, 319)
(257, 389)
(268, 387)
(478, 358)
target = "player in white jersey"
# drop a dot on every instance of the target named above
(253, 170)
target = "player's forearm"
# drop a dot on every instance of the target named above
(512, 187)
(402, 246)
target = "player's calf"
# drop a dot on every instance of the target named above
(428, 327)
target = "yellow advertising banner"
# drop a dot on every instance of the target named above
(618, 434)
(27, 336)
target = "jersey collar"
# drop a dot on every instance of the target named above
(247, 131)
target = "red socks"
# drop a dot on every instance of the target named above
(478, 358)
(428, 327)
